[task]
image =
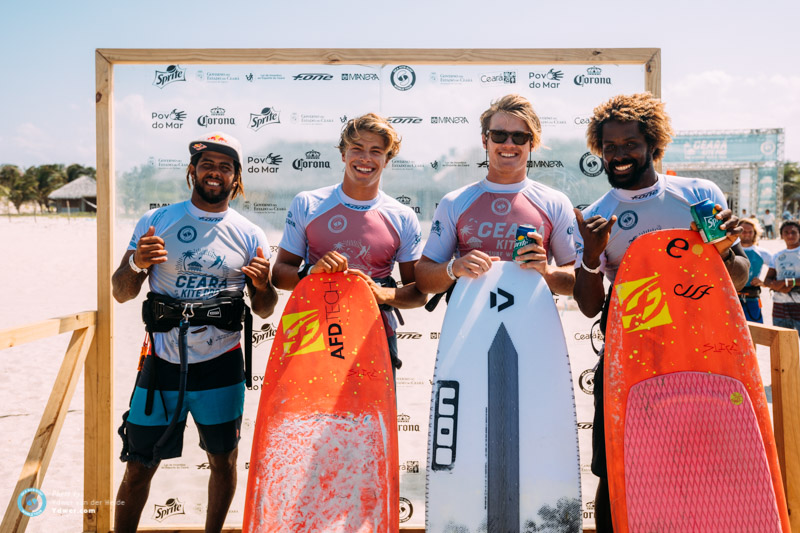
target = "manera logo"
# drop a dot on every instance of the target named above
(171, 75)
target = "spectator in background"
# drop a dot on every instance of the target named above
(769, 222)
(781, 278)
(750, 295)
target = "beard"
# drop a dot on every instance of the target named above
(633, 178)
(213, 197)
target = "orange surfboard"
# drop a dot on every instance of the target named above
(324, 454)
(689, 441)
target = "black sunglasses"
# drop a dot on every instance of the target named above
(517, 137)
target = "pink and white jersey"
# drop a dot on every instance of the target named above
(664, 205)
(372, 234)
(484, 216)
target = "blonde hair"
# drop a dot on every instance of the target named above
(756, 227)
(374, 124)
(643, 108)
(516, 106)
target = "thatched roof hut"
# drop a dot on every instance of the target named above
(78, 195)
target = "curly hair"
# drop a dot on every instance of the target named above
(643, 108)
(516, 106)
(374, 124)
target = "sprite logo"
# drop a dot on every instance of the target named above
(303, 333)
(644, 305)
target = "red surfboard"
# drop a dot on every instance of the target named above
(689, 441)
(324, 454)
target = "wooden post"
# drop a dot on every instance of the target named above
(46, 437)
(98, 471)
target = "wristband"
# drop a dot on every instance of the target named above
(590, 270)
(450, 269)
(304, 270)
(135, 268)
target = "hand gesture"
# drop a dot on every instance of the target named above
(149, 250)
(595, 231)
(258, 270)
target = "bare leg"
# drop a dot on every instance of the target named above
(221, 487)
(132, 496)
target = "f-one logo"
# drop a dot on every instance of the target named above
(445, 426)
(644, 304)
(303, 333)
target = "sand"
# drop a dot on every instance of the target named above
(51, 269)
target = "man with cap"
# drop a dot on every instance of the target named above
(197, 256)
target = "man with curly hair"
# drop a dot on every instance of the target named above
(355, 227)
(476, 225)
(630, 133)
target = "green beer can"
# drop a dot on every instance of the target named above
(704, 215)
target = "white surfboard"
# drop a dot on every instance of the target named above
(503, 442)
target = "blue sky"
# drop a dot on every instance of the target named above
(724, 65)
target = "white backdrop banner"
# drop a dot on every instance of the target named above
(288, 118)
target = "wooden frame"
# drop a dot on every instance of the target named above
(44, 442)
(98, 484)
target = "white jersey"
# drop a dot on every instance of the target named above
(787, 265)
(205, 255)
(664, 205)
(484, 216)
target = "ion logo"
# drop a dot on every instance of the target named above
(303, 333)
(337, 224)
(501, 207)
(445, 425)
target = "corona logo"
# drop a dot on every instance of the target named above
(312, 154)
(303, 333)
(644, 304)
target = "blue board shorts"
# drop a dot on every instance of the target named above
(214, 395)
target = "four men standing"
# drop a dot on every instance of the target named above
(199, 250)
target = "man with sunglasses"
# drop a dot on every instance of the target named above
(476, 225)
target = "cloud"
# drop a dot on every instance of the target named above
(720, 100)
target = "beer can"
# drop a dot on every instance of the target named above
(522, 239)
(703, 214)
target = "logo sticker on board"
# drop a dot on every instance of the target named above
(303, 333)
(644, 304)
